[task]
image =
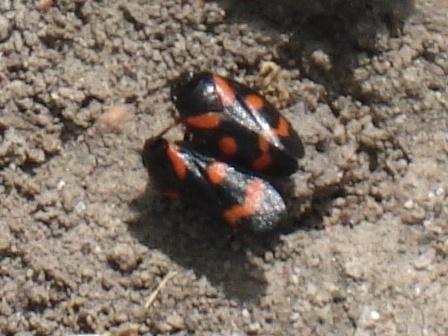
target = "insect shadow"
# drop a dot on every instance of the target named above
(326, 37)
(195, 241)
(363, 17)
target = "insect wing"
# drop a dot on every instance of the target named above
(240, 199)
(231, 121)
(255, 113)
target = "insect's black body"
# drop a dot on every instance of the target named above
(233, 122)
(234, 142)
(240, 199)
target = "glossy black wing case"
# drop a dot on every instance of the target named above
(233, 122)
(241, 200)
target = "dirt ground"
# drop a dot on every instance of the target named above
(87, 246)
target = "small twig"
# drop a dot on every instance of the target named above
(162, 284)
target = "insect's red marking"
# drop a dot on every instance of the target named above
(216, 172)
(228, 146)
(254, 102)
(208, 120)
(179, 167)
(254, 197)
(263, 162)
(263, 144)
(282, 127)
(225, 91)
(265, 159)
(264, 140)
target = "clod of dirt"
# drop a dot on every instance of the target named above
(112, 119)
(45, 5)
(362, 82)
(125, 258)
(5, 28)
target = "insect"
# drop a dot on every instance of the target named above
(232, 122)
(240, 199)
(234, 141)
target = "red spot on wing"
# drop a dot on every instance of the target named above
(216, 172)
(208, 120)
(254, 102)
(262, 162)
(228, 146)
(263, 144)
(177, 162)
(265, 159)
(265, 141)
(282, 127)
(225, 90)
(254, 196)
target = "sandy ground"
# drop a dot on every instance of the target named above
(87, 245)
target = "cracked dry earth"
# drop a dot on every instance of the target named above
(85, 241)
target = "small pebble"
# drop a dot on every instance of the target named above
(254, 328)
(124, 257)
(113, 119)
(425, 259)
(176, 321)
(5, 29)
(45, 5)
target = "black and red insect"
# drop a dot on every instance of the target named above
(234, 140)
(240, 199)
(232, 122)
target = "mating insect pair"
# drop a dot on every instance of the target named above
(234, 142)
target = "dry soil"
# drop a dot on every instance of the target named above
(87, 245)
